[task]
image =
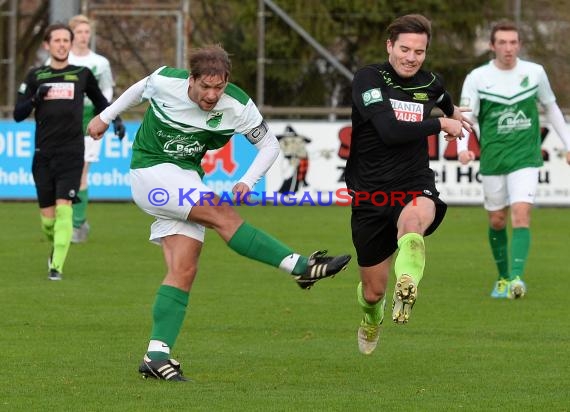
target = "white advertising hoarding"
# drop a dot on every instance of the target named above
(314, 156)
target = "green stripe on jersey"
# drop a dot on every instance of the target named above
(174, 72)
(237, 93)
(48, 74)
(506, 100)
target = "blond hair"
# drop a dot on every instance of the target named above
(77, 20)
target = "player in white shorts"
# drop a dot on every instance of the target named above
(503, 95)
(82, 55)
(165, 205)
(502, 191)
(191, 112)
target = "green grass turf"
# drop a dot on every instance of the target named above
(253, 341)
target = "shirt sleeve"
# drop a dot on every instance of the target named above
(470, 95)
(470, 99)
(445, 103)
(268, 149)
(556, 118)
(545, 94)
(106, 82)
(24, 103)
(249, 119)
(94, 93)
(130, 98)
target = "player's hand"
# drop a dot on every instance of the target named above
(452, 127)
(465, 156)
(97, 128)
(240, 190)
(568, 157)
(41, 93)
(119, 128)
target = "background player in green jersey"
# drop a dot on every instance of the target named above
(82, 55)
(189, 114)
(503, 95)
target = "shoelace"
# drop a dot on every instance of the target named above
(502, 286)
(371, 331)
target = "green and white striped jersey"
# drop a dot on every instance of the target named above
(505, 105)
(175, 130)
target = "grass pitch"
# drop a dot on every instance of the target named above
(254, 341)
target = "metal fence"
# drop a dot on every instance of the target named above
(137, 37)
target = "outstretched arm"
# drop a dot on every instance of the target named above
(130, 98)
(556, 118)
(29, 98)
(269, 148)
(464, 155)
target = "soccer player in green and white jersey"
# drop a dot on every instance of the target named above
(191, 112)
(82, 55)
(503, 96)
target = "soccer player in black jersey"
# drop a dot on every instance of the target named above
(394, 199)
(55, 93)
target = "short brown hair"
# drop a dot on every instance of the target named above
(503, 25)
(410, 23)
(210, 60)
(53, 27)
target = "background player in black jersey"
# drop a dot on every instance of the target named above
(55, 92)
(395, 202)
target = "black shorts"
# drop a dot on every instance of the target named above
(374, 226)
(57, 176)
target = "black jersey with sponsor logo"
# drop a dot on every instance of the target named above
(59, 115)
(390, 126)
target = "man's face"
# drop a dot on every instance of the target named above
(59, 45)
(205, 91)
(506, 48)
(82, 34)
(407, 53)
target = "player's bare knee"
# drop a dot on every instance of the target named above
(373, 293)
(227, 221)
(497, 222)
(182, 275)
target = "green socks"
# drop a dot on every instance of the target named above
(168, 314)
(80, 209)
(411, 257)
(47, 227)
(520, 246)
(498, 241)
(62, 231)
(255, 244)
(373, 312)
(519, 251)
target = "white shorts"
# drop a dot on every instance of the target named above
(503, 190)
(92, 149)
(168, 193)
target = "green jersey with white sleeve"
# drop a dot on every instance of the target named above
(101, 69)
(175, 130)
(504, 102)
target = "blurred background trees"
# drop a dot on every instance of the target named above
(295, 74)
